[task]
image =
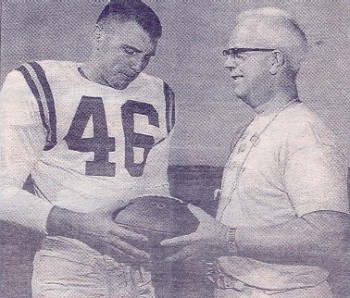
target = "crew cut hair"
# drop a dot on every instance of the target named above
(278, 29)
(132, 10)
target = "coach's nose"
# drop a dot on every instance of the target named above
(230, 63)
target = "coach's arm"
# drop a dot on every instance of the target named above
(317, 238)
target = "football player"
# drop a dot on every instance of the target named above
(90, 134)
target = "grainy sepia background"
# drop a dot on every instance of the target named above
(189, 59)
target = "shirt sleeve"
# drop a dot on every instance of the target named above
(316, 176)
(23, 138)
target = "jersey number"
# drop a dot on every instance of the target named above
(101, 144)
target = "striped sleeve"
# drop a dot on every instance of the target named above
(23, 138)
(170, 107)
(37, 81)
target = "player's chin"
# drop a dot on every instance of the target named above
(120, 83)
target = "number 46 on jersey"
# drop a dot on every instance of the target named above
(101, 144)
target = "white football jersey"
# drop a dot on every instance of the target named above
(83, 143)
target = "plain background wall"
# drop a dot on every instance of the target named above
(189, 59)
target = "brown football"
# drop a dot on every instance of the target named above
(157, 217)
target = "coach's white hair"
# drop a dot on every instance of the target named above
(275, 28)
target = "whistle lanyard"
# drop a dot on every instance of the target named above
(227, 198)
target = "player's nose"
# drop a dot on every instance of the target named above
(138, 64)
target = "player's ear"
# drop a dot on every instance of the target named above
(278, 60)
(97, 36)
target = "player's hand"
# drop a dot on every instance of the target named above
(100, 232)
(209, 240)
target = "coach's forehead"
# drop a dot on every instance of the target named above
(254, 32)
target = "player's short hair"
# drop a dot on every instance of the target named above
(132, 10)
(280, 30)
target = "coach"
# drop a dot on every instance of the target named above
(283, 207)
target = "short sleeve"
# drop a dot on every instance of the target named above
(316, 179)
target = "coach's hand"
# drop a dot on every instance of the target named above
(100, 232)
(209, 240)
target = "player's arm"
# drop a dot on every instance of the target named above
(23, 138)
(97, 230)
(317, 236)
(22, 141)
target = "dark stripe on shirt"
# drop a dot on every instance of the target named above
(170, 107)
(52, 141)
(35, 92)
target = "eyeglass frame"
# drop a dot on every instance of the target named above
(234, 51)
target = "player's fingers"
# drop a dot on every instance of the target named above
(129, 249)
(128, 235)
(107, 249)
(118, 254)
(179, 241)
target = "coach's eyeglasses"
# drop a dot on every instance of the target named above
(237, 53)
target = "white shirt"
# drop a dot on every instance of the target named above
(285, 165)
(85, 144)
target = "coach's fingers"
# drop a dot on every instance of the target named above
(181, 255)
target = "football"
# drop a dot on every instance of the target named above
(157, 217)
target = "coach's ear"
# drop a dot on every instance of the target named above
(277, 62)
